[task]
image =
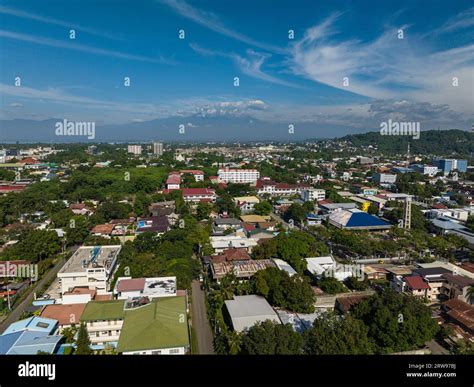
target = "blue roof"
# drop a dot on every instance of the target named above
(28, 343)
(363, 219)
(7, 341)
(38, 324)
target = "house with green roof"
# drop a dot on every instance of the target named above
(159, 327)
(104, 320)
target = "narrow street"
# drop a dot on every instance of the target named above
(16, 313)
(200, 322)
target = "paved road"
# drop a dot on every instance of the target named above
(20, 308)
(201, 325)
(436, 349)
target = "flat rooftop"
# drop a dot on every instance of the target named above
(103, 310)
(90, 257)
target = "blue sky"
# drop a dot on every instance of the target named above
(298, 80)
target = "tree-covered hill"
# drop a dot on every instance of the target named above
(439, 142)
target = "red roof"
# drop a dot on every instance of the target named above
(103, 229)
(12, 188)
(192, 171)
(198, 191)
(173, 179)
(29, 160)
(129, 285)
(66, 314)
(416, 282)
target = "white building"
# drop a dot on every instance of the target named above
(135, 149)
(157, 148)
(385, 178)
(246, 203)
(196, 195)
(128, 287)
(428, 170)
(312, 194)
(91, 267)
(221, 243)
(228, 175)
(319, 266)
(246, 311)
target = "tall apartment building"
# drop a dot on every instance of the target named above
(157, 148)
(228, 175)
(449, 165)
(92, 150)
(135, 149)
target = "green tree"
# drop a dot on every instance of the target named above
(263, 208)
(293, 293)
(83, 341)
(355, 283)
(337, 335)
(295, 212)
(397, 322)
(203, 210)
(331, 285)
(269, 338)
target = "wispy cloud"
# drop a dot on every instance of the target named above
(386, 67)
(211, 21)
(72, 45)
(57, 95)
(462, 20)
(48, 20)
(250, 65)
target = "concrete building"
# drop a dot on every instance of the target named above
(450, 165)
(157, 148)
(429, 170)
(135, 149)
(127, 287)
(104, 321)
(384, 178)
(246, 311)
(246, 203)
(196, 195)
(312, 194)
(229, 175)
(91, 267)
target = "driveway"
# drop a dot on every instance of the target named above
(200, 322)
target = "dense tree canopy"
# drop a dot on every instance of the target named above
(396, 322)
(268, 338)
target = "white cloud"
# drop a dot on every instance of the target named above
(250, 65)
(211, 21)
(48, 20)
(386, 67)
(72, 45)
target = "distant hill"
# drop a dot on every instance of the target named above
(441, 142)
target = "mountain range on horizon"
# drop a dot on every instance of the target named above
(195, 128)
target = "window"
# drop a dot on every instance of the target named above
(97, 334)
(174, 351)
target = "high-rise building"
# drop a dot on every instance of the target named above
(92, 150)
(157, 148)
(449, 165)
(135, 149)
